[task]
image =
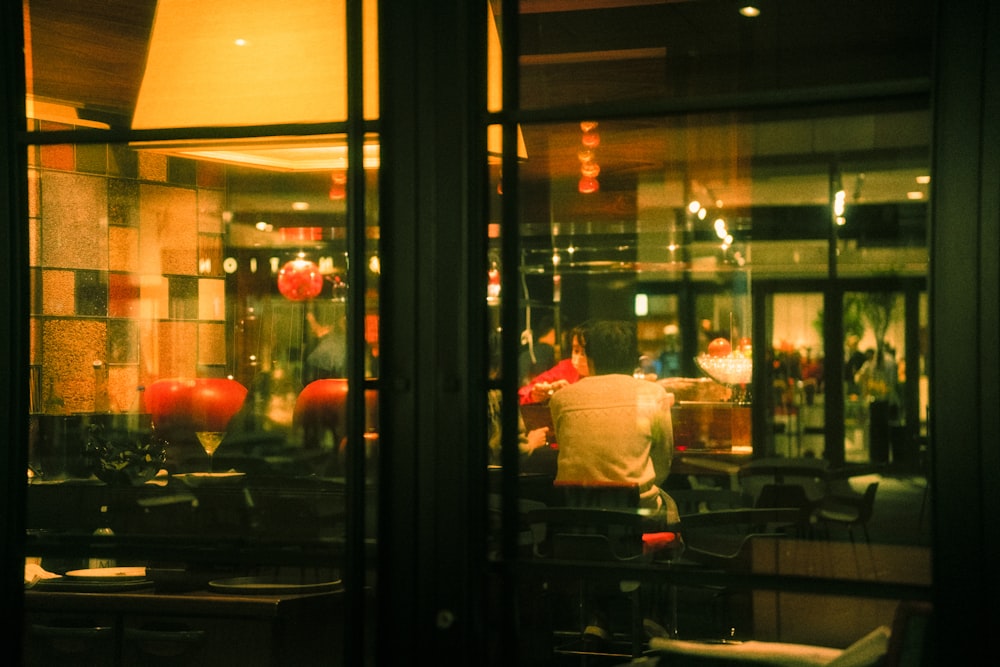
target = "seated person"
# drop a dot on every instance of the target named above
(535, 454)
(563, 374)
(533, 446)
(611, 426)
(614, 427)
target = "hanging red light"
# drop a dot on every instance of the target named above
(589, 169)
(588, 185)
(300, 280)
(338, 185)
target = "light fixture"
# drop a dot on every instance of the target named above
(57, 112)
(750, 11)
(641, 305)
(245, 63)
(589, 168)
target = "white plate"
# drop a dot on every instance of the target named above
(109, 573)
(273, 585)
(194, 479)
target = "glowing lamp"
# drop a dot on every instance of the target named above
(322, 404)
(300, 280)
(588, 185)
(199, 404)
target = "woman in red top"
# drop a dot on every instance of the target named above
(563, 374)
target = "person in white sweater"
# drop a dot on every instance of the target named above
(612, 426)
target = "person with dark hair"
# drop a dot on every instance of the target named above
(566, 372)
(533, 445)
(612, 426)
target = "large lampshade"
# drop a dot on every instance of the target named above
(194, 404)
(240, 63)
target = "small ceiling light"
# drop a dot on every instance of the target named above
(750, 11)
(300, 206)
(923, 180)
(914, 195)
(694, 206)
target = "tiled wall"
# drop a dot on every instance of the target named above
(126, 257)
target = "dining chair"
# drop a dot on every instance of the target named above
(601, 524)
(790, 496)
(723, 540)
(849, 512)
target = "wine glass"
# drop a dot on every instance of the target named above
(210, 441)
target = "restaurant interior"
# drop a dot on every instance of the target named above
(281, 278)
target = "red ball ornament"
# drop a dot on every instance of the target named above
(300, 280)
(719, 347)
(745, 347)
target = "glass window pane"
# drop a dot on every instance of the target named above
(614, 53)
(683, 223)
(190, 350)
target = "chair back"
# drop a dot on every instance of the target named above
(787, 495)
(867, 503)
(594, 521)
(609, 495)
(590, 533)
(720, 537)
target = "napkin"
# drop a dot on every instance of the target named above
(33, 573)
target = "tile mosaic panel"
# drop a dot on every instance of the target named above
(123, 295)
(123, 388)
(152, 166)
(58, 292)
(92, 158)
(59, 156)
(168, 242)
(74, 211)
(176, 354)
(123, 202)
(71, 348)
(123, 249)
(183, 298)
(154, 297)
(211, 299)
(212, 344)
(123, 161)
(91, 293)
(210, 207)
(123, 342)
